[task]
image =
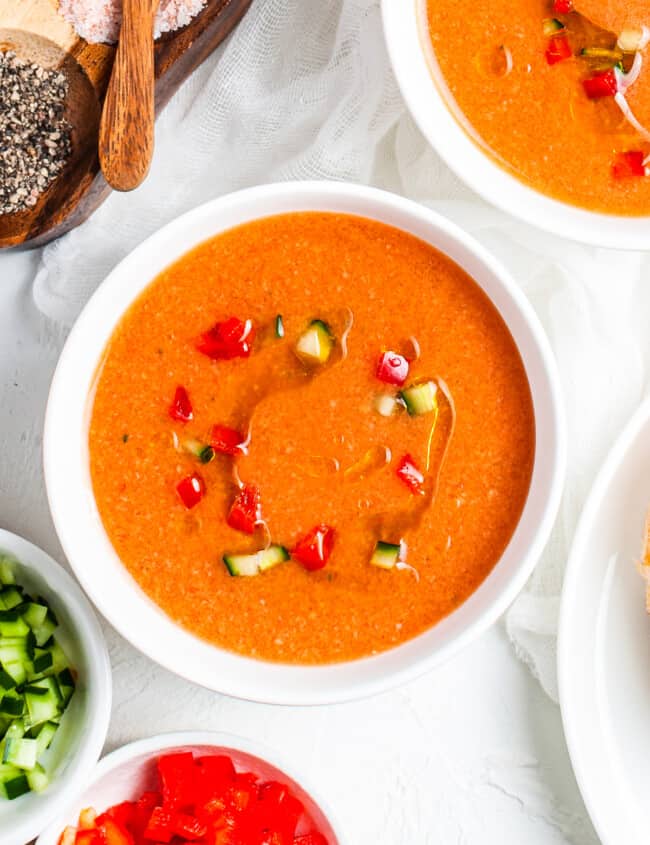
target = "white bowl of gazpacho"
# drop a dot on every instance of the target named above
(304, 443)
(194, 786)
(541, 106)
(55, 689)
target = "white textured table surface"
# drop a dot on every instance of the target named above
(471, 753)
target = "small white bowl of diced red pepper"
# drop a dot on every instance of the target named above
(55, 689)
(194, 789)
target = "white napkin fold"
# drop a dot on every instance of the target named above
(303, 90)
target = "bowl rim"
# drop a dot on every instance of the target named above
(100, 686)
(186, 739)
(238, 675)
(403, 24)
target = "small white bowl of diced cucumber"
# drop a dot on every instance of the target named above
(55, 690)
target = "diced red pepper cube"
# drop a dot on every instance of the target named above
(181, 407)
(228, 441)
(161, 825)
(629, 165)
(177, 778)
(143, 809)
(601, 85)
(314, 838)
(123, 813)
(314, 549)
(273, 792)
(218, 770)
(408, 472)
(562, 7)
(231, 339)
(558, 49)
(112, 832)
(191, 490)
(392, 368)
(246, 509)
(291, 810)
(188, 826)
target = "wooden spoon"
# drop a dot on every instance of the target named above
(126, 132)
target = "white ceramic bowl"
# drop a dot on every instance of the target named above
(126, 773)
(113, 589)
(406, 37)
(84, 727)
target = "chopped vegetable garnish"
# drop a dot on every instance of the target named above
(386, 405)
(256, 563)
(408, 472)
(36, 685)
(203, 800)
(633, 38)
(630, 164)
(246, 510)
(315, 548)
(558, 49)
(392, 368)
(181, 407)
(191, 490)
(228, 441)
(279, 326)
(562, 7)
(203, 451)
(315, 345)
(386, 555)
(601, 85)
(420, 398)
(552, 26)
(602, 54)
(231, 339)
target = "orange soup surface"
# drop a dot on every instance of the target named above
(285, 397)
(556, 91)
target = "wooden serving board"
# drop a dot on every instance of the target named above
(36, 31)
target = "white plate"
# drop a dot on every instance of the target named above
(604, 644)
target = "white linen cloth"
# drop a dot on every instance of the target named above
(304, 90)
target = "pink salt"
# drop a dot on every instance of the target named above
(99, 20)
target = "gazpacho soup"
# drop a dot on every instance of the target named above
(312, 437)
(556, 91)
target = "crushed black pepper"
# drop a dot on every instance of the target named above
(35, 140)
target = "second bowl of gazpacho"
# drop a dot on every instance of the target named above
(304, 442)
(541, 106)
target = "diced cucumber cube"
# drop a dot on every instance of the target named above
(12, 704)
(420, 398)
(385, 555)
(7, 569)
(34, 614)
(44, 737)
(21, 753)
(11, 597)
(12, 624)
(38, 778)
(17, 671)
(272, 557)
(43, 700)
(315, 345)
(13, 782)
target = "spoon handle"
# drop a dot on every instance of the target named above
(126, 132)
